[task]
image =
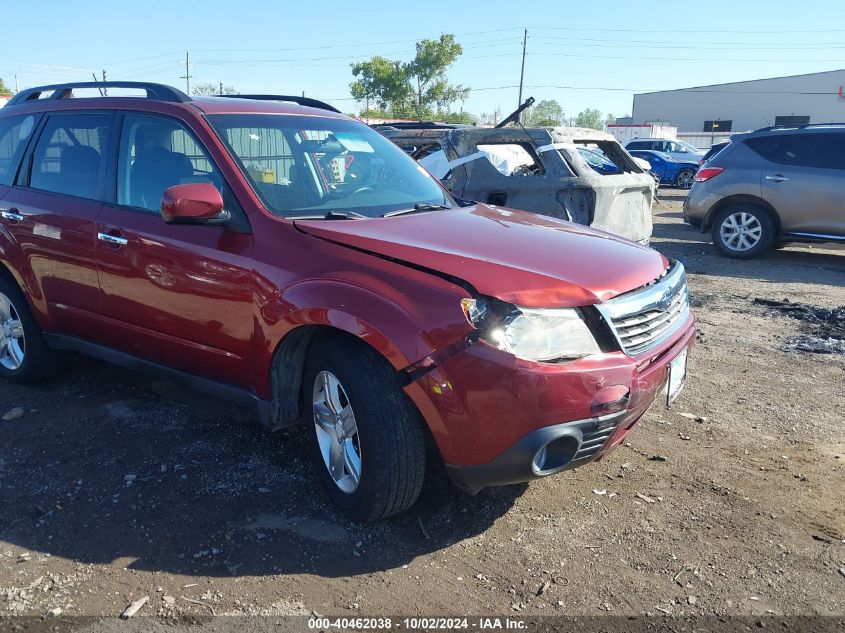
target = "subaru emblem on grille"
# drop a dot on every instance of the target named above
(644, 318)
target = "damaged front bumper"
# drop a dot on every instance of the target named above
(499, 420)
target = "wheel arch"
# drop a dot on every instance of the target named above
(401, 335)
(8, 273)
(14, 267)
(287, 370)
(729, 201)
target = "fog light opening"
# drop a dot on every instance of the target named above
(555, 455)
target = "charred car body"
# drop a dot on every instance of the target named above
(541, 170)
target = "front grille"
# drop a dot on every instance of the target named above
(646, 317)
(638, 331)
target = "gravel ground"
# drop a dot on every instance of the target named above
(114, 486)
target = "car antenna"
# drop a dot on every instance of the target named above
(513, 117)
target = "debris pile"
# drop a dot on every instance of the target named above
(825, 326)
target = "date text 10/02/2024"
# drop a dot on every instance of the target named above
(417, 623)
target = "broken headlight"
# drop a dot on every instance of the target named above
(536, 334)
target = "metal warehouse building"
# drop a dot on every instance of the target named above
(747, 105)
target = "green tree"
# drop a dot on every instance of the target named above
(384, 83)
(416, 88)
(446, 116)
(428, 71)
(590, 118)
(4, 91)
(547, 113)
(209, 90)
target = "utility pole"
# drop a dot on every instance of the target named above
(522, 72)
(187, 75)
(16, 85)
(105, 90)
(221, 88)
(94, 75)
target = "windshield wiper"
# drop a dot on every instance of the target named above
(330, 215)
(418, 208)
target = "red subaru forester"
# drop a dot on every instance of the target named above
(274, 252)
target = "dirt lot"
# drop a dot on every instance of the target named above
(114, 486)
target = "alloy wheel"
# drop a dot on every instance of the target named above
(685, 179)
(12, 340)
(337, 432)
(741, 231)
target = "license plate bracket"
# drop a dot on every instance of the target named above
(676, 377)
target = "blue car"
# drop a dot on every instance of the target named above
(598, 161)
(680, 173)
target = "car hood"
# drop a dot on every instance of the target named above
(518, 257)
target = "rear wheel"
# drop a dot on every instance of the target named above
(367, 440)
(23, 353)
(685, 178)
(743, 231)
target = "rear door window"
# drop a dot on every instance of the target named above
(605, 157)
(69, 156)
(829, 152)
(786, 149)
(14, 134)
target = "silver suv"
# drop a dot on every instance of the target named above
(772, 186)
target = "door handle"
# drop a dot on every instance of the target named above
(13, 215)
(777, 178)
(112, 239)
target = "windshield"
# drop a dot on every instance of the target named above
(686, 146)
(312, 166)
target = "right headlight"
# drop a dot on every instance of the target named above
(536, 334)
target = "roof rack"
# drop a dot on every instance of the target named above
(303, 101)
(65, 91)
(796, 127)
(417, 125)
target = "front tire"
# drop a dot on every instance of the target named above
(367, 439)
(24, 356)
(743, 231)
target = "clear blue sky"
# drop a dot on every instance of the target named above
(585, 54)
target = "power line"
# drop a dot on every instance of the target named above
(696, 59)
(140, 59)
(633, 90)
(696, 90)
(686, 42)
(336, 46)
(212, 61)
(705, 47)
(674, 30)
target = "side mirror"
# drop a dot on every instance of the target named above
(194, 203)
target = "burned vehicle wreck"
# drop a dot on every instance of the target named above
(541, 170)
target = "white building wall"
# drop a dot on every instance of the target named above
(748, 104)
